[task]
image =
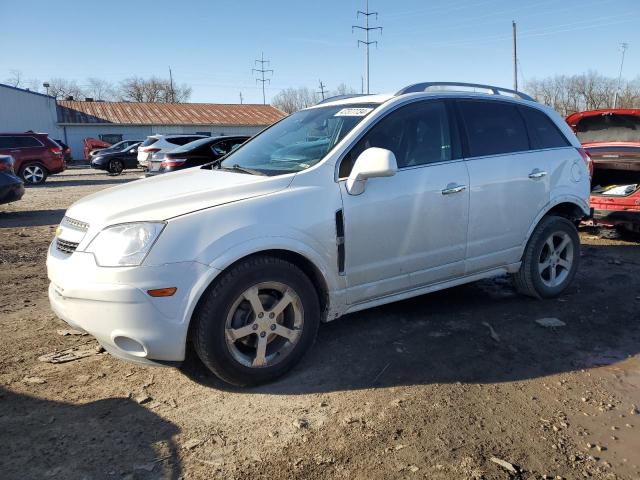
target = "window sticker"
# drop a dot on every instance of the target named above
(353, 112)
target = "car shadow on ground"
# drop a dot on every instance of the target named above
(83, 182)
(109, 438)
(446, 336)
(31, 218)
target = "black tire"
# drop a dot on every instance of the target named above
(34, 173)
(208, 333)
(115, 167)
(529, 280)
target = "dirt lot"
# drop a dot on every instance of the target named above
(432, 387)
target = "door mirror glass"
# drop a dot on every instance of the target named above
(373, 162)
(133, 150)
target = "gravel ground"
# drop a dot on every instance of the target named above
(432, 387)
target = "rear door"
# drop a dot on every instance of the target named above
(510, 182)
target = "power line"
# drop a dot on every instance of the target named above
(262, 71)
(322, 89)
(366, 14)
(623, 48)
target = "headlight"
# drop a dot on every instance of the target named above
(124, 245)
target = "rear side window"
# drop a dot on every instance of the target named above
(182, 140)
(493, 128)
(543, 132)
(20, 142)
(149, 141)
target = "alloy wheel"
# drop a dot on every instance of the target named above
(33, 174)
(264, 324)
(556, 259)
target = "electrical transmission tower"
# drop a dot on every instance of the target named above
(366, 14)
(262, 71)
(322, 89)
(623, 48)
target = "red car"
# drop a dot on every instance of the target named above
(36, 155)
(612, 139)
(91, 144)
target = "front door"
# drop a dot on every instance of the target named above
(408, 230)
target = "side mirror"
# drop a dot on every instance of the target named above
(133, 150)
(373, 162)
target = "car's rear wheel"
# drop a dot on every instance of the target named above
(550, 259)
(257, 320)
(33, 173)
(115, 167)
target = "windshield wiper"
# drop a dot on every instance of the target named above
(238, 168)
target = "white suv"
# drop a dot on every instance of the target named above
(346, 205)
(158, 144)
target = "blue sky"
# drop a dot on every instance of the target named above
(211, 45)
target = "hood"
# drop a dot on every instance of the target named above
(172, 194)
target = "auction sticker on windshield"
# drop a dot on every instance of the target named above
(353, 112)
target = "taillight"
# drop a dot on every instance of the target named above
(587, 160)
(172, 162)
(56, 150)
(151, 150)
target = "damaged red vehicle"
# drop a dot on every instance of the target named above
(611, 137)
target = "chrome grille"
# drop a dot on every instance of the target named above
(66, 246)
(77, 224)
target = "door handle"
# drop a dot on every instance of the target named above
(537, 173)
(452, 188)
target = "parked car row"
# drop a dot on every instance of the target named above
(164, 153)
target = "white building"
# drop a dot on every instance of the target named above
(73, 121)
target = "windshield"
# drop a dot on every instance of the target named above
(609, 127)
(299, 141)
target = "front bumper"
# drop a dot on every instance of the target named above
(112, 304)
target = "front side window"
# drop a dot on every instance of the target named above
(544, 133)
(417, 134)
(493, 128)
(299, 141)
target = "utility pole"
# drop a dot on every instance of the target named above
(515, 56)
(366, 14)
(262, 71)
(241, 98)
(322, 89)
(623, 48)
(173, 96)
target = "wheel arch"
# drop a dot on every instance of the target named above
(569, 206)
(40, 163)
(305, 264)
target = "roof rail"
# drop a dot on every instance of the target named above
(422, 87)
(342, 97)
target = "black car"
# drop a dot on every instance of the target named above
(11, 186)
(195, 153)
(116, 162)
(66, 150)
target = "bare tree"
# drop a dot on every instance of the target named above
(587, 91)
(344, 89)
(61, 89)
(156, 90)
(293, 99)
(15, 78)
(99, 89)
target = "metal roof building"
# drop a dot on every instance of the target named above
(73, 121)
(115, 121)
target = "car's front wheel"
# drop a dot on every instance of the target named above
(550, 259)
(256, 321)
(33, 174)
(115, 167)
